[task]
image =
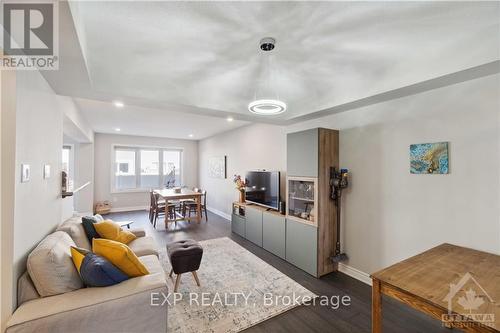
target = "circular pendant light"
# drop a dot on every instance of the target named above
(267, 107)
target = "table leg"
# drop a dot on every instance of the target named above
(198, 209)
(376, 307)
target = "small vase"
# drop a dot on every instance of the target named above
(242, 196)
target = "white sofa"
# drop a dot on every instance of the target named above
(124, 307)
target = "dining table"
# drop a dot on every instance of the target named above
(171, 195)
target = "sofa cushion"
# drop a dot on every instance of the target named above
(96, 271)
(119, 255)
(152, 263)
(111, 230)
(88, 226)
(50, 265)
(74, 228)
(143, 246)
(26, 290)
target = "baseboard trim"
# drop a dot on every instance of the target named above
(220, 213)
(127, 209)
(355, 273)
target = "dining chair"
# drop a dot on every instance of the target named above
(160, 208)
(191, 206)
(151, 205)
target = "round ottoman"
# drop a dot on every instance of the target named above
(185, 256)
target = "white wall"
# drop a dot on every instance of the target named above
(84, 172)
(80, 135)
(37, 207)
(390, 214)
(8, 167)
(247, 148)
(103, 161)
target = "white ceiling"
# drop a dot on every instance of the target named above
(194, 63)
(134, 120)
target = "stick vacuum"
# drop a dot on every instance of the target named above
(338, 181)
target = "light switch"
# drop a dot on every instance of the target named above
(25, 173)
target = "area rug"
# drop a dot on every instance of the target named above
(238, 290)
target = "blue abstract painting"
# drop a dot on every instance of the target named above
(426, 158)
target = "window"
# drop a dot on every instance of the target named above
(125, 175)
(171, 167)
(137, 168)
(150, 168)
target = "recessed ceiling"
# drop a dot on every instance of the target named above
(203, 58)
(104, 117)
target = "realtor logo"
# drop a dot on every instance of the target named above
(473, 299)
(30, 35)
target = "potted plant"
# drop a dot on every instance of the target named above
(240, 186)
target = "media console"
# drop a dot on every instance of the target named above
(306, 235)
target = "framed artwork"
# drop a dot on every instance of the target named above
(217, 167)
(429, 158)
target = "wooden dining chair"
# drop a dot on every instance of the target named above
(191, 206)
(151, 205)
(160, 208)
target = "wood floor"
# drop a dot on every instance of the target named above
(354, 318)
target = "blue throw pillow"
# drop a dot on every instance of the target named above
(97, 271)
(88, 226)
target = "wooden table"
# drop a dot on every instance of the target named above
(171, 195)
(424, 283)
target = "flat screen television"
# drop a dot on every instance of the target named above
(263, 188)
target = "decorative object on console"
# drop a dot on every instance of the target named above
(429, 158)
(217, 167)
(240, 186)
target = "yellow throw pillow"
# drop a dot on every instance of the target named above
(120, 255)
(111, 230)
(77, 255)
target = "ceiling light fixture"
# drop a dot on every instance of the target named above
(191, 135)
(118, 104)
(229, 119)
(267, 106)
(117, 129)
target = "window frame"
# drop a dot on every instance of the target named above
(137, 149)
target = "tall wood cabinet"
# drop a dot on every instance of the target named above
(311, 215)
(306, 235)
